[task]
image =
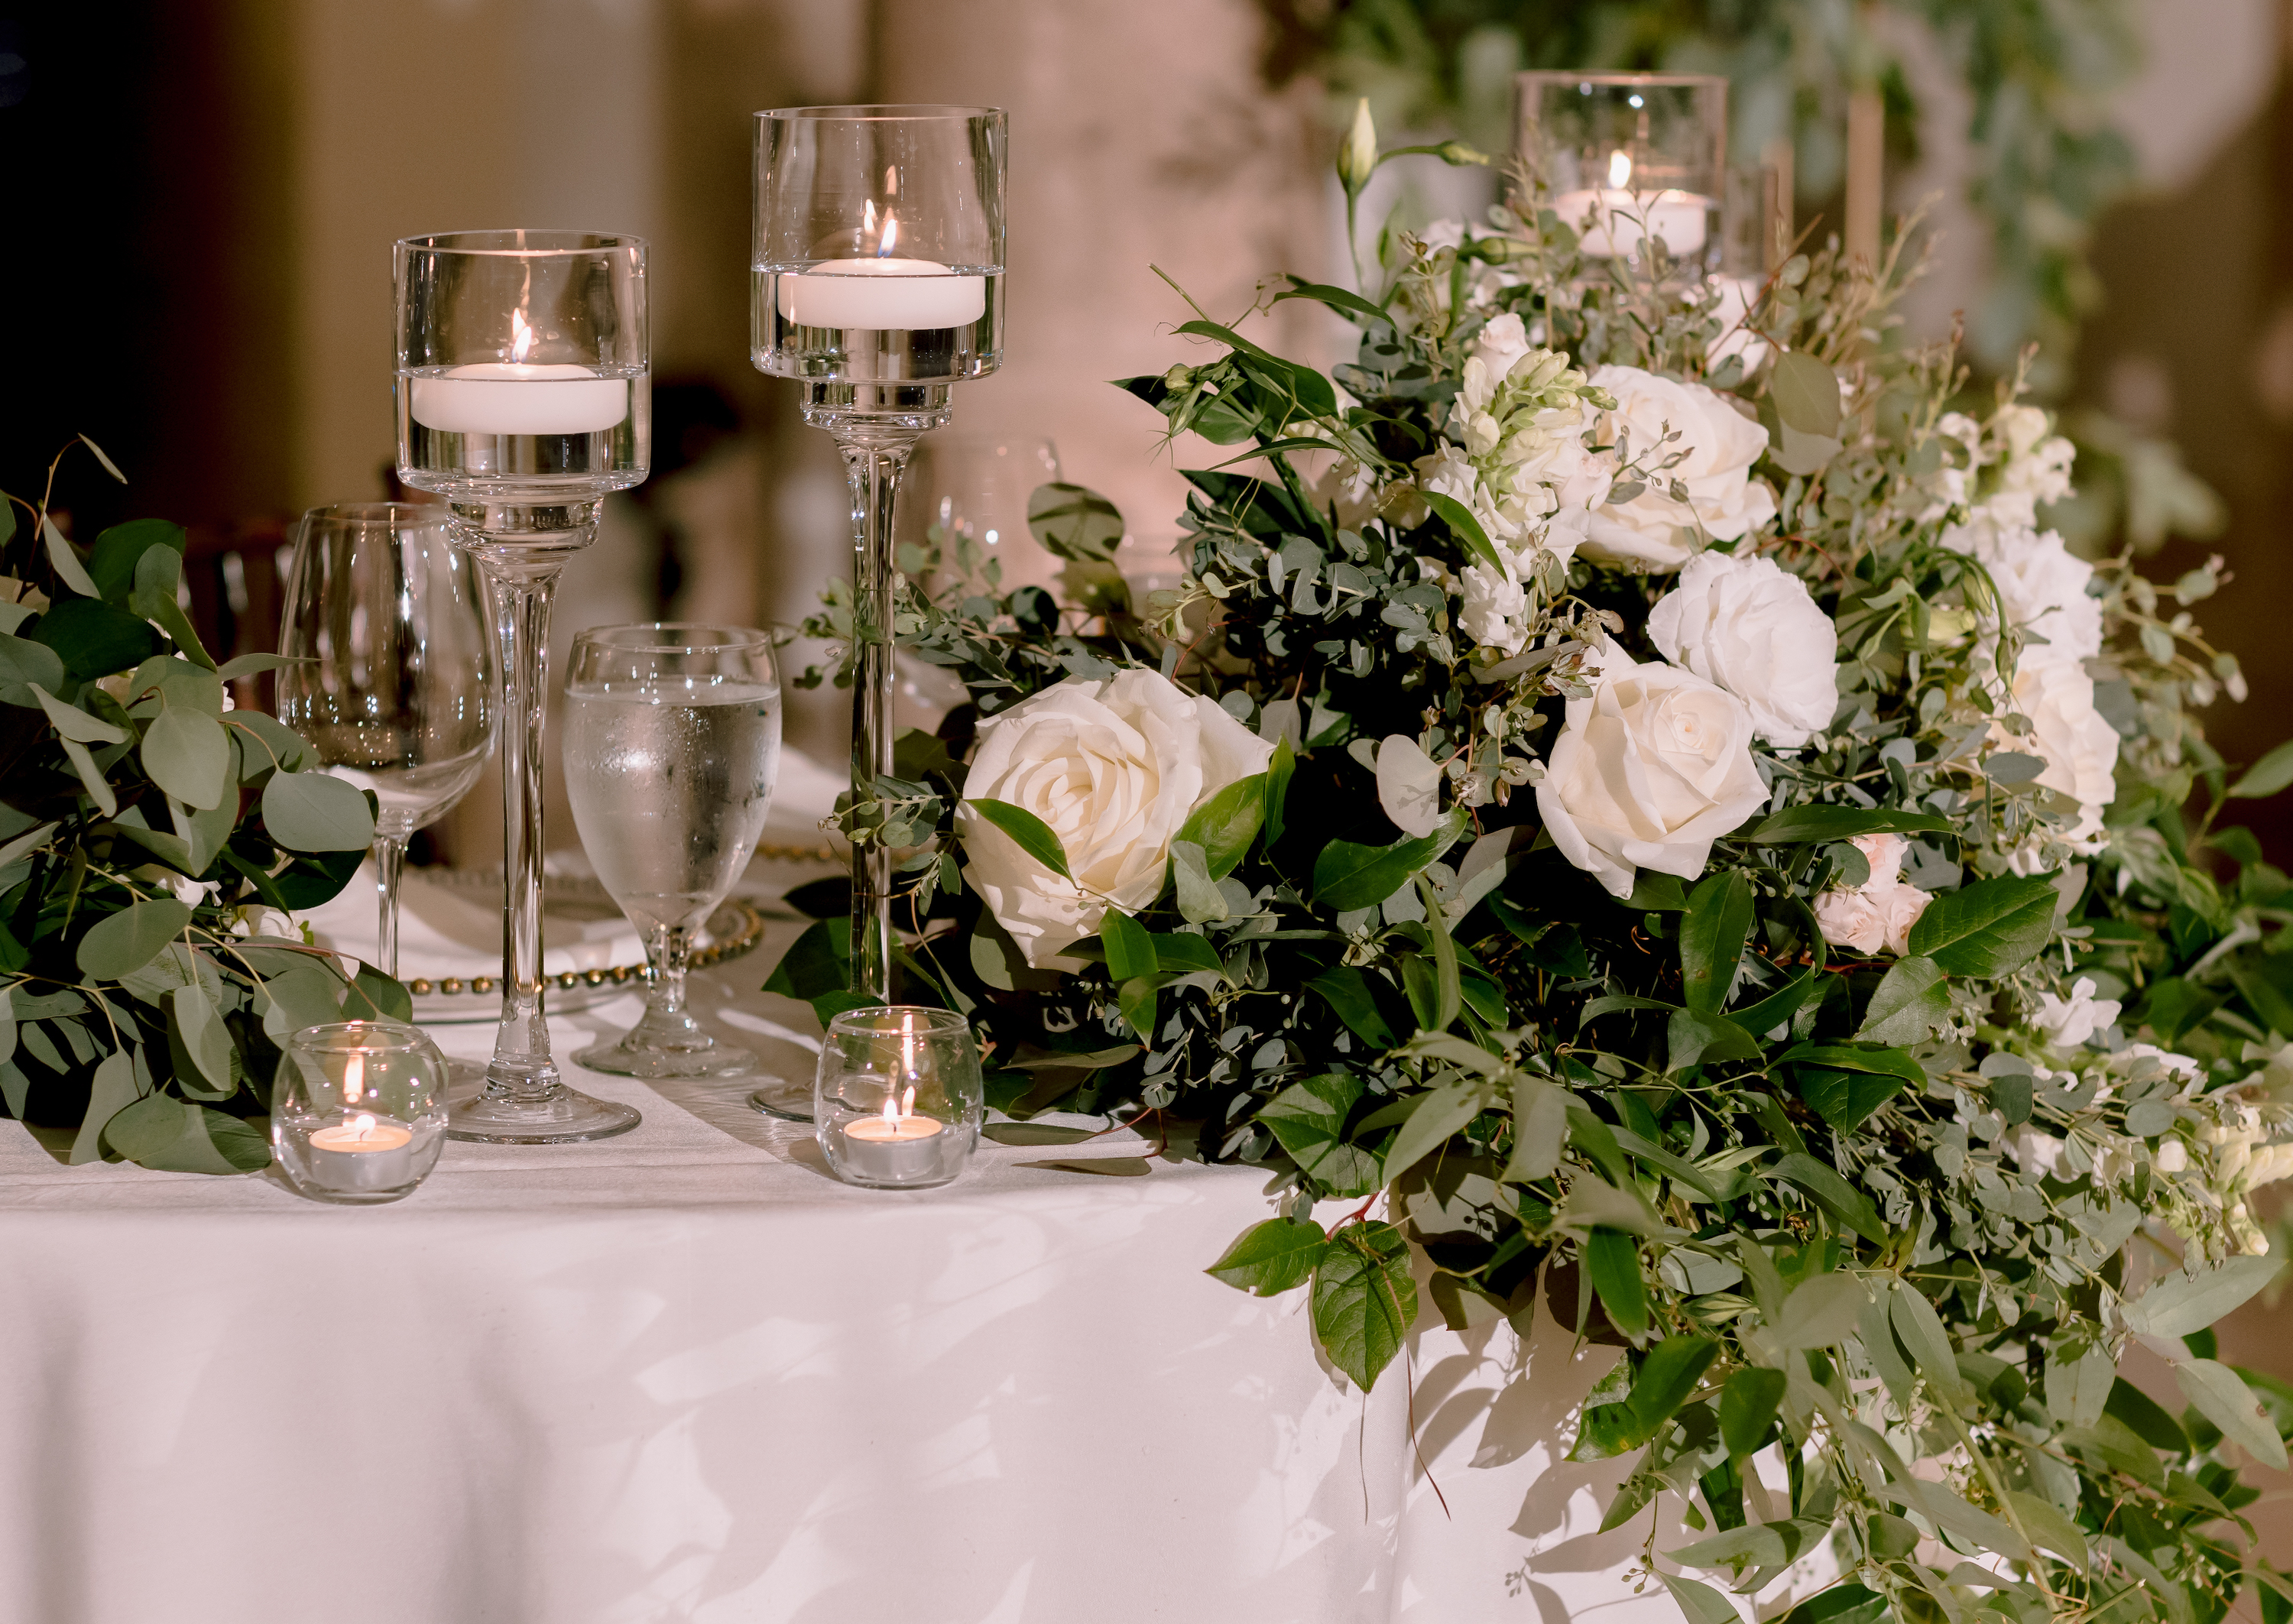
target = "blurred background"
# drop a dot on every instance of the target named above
(202, 196)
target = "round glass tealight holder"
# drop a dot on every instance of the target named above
(897, 1098)
(1627, 157)
(358, 1111)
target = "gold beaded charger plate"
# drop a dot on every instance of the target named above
(450, 939)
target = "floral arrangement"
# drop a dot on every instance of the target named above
(1630, 804)
(154, 842)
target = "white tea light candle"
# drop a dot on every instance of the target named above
(1616, 221)
(363, 1152)
(883, 294)
(896, 1145)
(519, 398)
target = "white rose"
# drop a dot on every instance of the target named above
(2068, 1022)
(2042, 586)
(1883, 854)
(1900, 904)
(1751, 626)
(1717, 446)
(1648, 772)
(1850, 919)
(2080, 746)
(2035, 1152)
(1114, 768)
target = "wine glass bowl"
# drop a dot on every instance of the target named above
(672, 742)
(391, 684)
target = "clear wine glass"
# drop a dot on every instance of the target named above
(672, 740)
(393, 685)
(524, 399)
(877, 282)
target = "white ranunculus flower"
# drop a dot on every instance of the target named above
(2080, 746)
(2042, 586)
(2068, 1022)
(1717, 446)
(1114, 768)
(1751, 626)
(1648, 772)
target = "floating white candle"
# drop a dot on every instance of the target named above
(910, 295)
(518, 396)
(1621, 220)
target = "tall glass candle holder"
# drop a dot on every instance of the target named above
(524, 399)
(879, 285)
(1627, 157)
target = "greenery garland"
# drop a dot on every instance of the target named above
(154, 844)
(1626, 799)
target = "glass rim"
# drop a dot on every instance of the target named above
(391, 1035)
(726, 637)
(537, 243)
(1613, 78)
(928, 1021)
(883, 112)
(396, 515)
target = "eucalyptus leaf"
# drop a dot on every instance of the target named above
(187, 755)
(121, 943)
(315, 811)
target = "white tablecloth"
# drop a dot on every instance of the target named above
(686, 1375)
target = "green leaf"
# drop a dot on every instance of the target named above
(112, 564)
(1183, 954)
(1987, 928)
(1803, 825)
(1656, 893)
(2180, 1304)
(1540, 1125)
(1098, 1166)
(1346, 990)
(24, 664)
(1711, 940)
(1136, 997)
(1690, 1038)
(2225, 1400)
(1821, 1311)
(1075, 524)
(1763, 1544)
(2048, 1528)
(71, 721)
(122, 943)
(2148, 1419)
(1365, 1300)
(2267, 776)
(1347, 875)
(91, 777)
(315, 811)
(1699, 1602)
(1277, 786)
(1910, 1001)
(172, 1135)
(1844, 1085)
(1747, 1406)
(158, 574)
(1833, 1193)
(1309, 1119)
(198, 1039)
(1460, 519)
(1034, 836)
(94, 639)
(1613, 1259)
(1336, 298)
(112, 1090)
(1921, 1332)
(69, 571)
(1200, 900)
(1667, 1378)
(1950, 1512)
(1442, 1111)
(1271, 1257)
(187, 755)
(1806, 394)
(1226, 824)
(1130, 948)
(1847, 1603)
(373, 995)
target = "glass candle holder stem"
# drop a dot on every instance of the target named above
(876, 428)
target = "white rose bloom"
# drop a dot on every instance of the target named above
(1114, 768)
(1717, 446)
(2035, 1152)
(2042, 586)
(1751, 626)
(1850, 919)
(1884, 855)
(1900, 904)
(2080, 746)
(1648, 772)
(2068, 1022)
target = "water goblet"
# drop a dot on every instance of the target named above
(672, 739)
(524, 399)
(391, 683)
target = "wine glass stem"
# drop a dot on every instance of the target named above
(670, 951)
(873, 461)
(389, 865)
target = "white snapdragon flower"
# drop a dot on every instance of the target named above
(1716, 446)
(2069, 1023)
(1753, 627)
(2033, 466)
(1496, 609)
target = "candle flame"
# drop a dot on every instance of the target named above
(521, 339)
(354, 1080)
(891, 235)
(362, 1126)
(892, 1110)
(1620, 168)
